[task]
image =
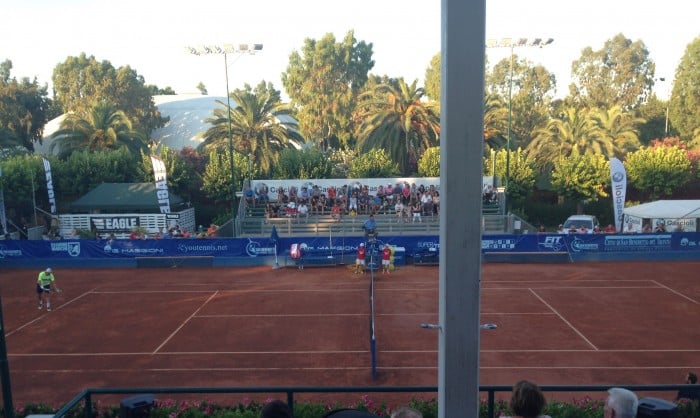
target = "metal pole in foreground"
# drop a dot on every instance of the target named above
(225, 50)
(5, 372)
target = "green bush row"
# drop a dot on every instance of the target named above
(578, 408)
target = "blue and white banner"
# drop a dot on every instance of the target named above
(618, 176)
(49, 186)
(161, 180)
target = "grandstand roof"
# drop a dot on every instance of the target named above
(123, 197)
(187, 113)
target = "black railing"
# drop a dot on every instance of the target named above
(87, 394)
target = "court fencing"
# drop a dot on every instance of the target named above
(87, 395)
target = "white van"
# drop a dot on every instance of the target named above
(589, 221)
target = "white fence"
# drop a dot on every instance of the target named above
(121, 224)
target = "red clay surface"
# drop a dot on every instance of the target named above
(568, 324)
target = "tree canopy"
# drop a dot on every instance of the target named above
(323, 81)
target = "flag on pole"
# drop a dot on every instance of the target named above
(49, 186)
(274, 237)
(274, 240)
(161, 184)
(619, 189)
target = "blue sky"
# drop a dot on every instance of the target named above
(150, 35)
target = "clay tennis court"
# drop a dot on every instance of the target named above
(589, 323)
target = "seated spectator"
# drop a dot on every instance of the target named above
(322, 204)
(573, 230)
(249, 197)
(582, 229)
(596, 230)
(335, 212)
(212, 231)
(399, 210)
(660, 228)
(610, 229)
(303, 211)
(331, 195)
(416, 210)
(678, 228)
(692, 393)
(436, 202)
(560, 229)
(621, 403)
(527, 400)
(293, 195)
(646, 228)
(363, 202)
(276, 409)
(135, 234)
(352, 202)
(291, 210)
(282, 196)
(375, 205)
(304, 195)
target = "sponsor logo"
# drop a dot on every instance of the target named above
(498, 244)
(553, 242)
(685, 242)
(72, 248)
(578, 245)
(4, 252)
(428, 244)
(185, 248)
(115, 223)
(633, 242)
(254, 249)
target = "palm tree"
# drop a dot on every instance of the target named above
(557, 139)
(260, 127)
(394, 118)
(105, 128)
(620, 128)
(494, 115)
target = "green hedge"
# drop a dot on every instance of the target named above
(578, 408)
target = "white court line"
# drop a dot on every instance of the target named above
(187, 353)
(676, 292)
(56, 307)
(564, 320)
(185, 322)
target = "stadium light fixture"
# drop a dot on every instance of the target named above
(226, 50)
(510, 43)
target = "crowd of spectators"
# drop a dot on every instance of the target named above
(407, 202)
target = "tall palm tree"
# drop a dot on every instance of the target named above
(104, 128)
(393, 117)
(495, 112)
(574, 128)
(260, 126)
(620, 128)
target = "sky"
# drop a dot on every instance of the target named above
(151, 35)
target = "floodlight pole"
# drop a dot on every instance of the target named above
(226, 50)
(512, 44)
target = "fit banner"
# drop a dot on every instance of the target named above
(619, 188)
(49, 186)
(161, 184)
(3, 217)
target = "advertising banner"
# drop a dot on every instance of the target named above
(161, 184)
(618, 177)
(49, 186)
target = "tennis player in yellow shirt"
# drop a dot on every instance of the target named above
(45, 284)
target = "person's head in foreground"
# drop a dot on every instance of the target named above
(621, 403)
(405, 412)
(527, 400)
(276, 409)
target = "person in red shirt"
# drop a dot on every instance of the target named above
(360, 260)
(610, 229)
(386, 259)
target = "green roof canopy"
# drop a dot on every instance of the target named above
(123, 197)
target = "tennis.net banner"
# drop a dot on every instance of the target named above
(161, 184)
